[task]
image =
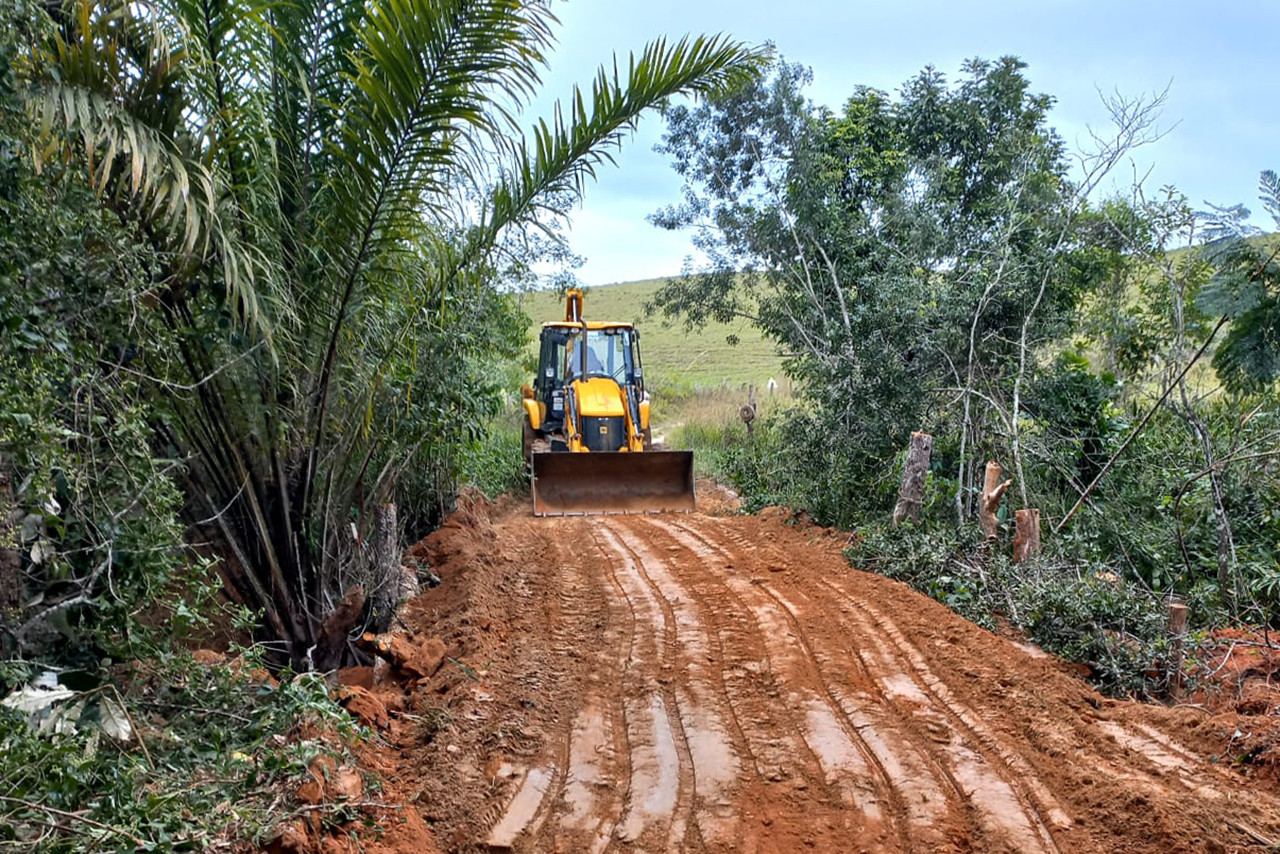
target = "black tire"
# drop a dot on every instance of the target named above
(648, 438)
(526, 444)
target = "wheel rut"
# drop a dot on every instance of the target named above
(849, 763)
(925, 797)
(720, 684)
(597, 754)
(668, 795)
(973, 763)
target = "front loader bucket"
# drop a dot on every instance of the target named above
(566, 484)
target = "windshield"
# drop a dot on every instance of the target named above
(608, 354)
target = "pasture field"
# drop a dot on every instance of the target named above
(679, 362)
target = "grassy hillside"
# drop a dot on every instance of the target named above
(671, 355)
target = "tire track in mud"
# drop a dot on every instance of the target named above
(700, 713)
(906, 772)
(1160, 758)
(597, 755)
(1157, 759)
(1013, 803)
(850, 765)
(951, 752)
(1017, 771)
(707, 684)
(775, 798)
(575, 788)
(766, 734)
(652, 785)
(664, 793)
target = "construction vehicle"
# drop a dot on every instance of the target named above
(587, 438)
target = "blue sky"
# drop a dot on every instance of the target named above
(1219, 60)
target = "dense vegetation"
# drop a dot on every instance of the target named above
(252, 260)
(941, 262)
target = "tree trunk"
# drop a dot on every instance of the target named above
(385, 580)
(1178, 613)
(331, 642)
(1026, 539)
(911, 493)
(992, 491)
(10, 558)
(1222, 522)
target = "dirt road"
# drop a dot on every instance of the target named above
(699, 683)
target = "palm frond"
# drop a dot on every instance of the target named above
(430, 83)
(104, 90)
(1269, 193)
(1248, 360)
(314, 41)
(567, 150)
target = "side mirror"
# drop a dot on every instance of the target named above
(526, 392)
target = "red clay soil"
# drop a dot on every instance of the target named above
(1237, 677)
(703, 683)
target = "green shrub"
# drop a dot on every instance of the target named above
(214, 751)
(791, 459)
(495, 464)
(1084, 613)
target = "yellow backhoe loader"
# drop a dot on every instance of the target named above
(586, 425)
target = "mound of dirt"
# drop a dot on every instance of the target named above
(1237, 677)
(716, 499)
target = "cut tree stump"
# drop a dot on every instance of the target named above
(326, 655)
(1178, 613)
(992, 491)
(911, 493)
(386, 580)
(1026, 537)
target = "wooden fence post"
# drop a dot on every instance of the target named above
(992, 491)
(1178, 613)
(748, 415)
(911, 492)
(1026, 538)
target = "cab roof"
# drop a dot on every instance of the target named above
(591, 324)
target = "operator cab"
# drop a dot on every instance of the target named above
(612, 352)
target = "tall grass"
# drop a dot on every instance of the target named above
(494, 464)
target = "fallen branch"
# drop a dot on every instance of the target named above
(74, 817)
(200, 710)
(1222, 321)
(348, 804)
(1254, 835)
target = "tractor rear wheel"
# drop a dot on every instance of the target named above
(526, 443)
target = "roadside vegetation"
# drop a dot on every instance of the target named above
(253, 261)
(940, 261)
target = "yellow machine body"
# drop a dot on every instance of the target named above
(586, 425)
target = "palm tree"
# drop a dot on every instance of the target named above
(328, 182)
